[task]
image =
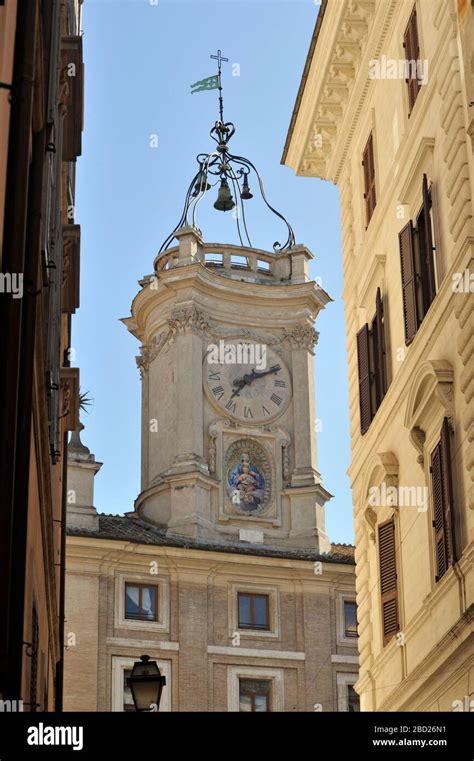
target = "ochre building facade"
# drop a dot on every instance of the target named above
(385, 111)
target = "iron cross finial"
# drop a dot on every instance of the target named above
(219, 58)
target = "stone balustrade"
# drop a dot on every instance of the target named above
(238, 262)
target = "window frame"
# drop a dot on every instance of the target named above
(141, 586)
(234, 587)
(121, 663)
(253, 626)
(373, 379)
(418, 265)
(344, 596)
(163, 602)
(370, 185)
(344, 680)
(350, 687)
(346, 635)
(268, 695)
(275, 675)
(412, 83)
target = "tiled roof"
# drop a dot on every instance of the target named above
(122, 528)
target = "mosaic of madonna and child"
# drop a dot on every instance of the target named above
(248, 478)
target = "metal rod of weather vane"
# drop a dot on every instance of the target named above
(219, 58)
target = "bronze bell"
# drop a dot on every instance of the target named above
(224, 202)
(246, 194)
(201, 184)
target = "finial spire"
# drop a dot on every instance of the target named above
(219, 58)
(230, 171)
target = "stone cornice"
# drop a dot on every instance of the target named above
(305, 298)
(352, 33)
(330, 87)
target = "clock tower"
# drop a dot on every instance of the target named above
(226, 361)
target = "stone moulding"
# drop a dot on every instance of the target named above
(382, 468)
(433, 382)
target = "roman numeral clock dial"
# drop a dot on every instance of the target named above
(246, 381)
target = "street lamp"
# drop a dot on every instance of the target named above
(146, 684)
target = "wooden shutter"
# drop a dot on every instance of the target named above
(412, 53)
(409, 275)
(442, 486)
(447, 486)
(369, 178)
(72, 72)
(388, 579)
(378, 333)
(71, 266)
(438, 522)
(363, 362)
(426, 246)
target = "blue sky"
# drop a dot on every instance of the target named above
(140, 62)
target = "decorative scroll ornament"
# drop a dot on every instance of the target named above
(185, 318)
(188, 318)
(417, 438)
(149, 351)
(302, 337)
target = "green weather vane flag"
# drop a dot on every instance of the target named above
(212, 83)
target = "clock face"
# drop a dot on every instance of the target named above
(246, 381)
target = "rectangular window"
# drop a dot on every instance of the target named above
(417, 263)
(442, 489)
(254, 611)
(254, 695)
(141, 602)
(388, 579)
(369, 179)
(353, 700)
(412, 56)
(350, 619)
(372, 366)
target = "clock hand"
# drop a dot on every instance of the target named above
(254, 375)
(250, 377)
(240, 383)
